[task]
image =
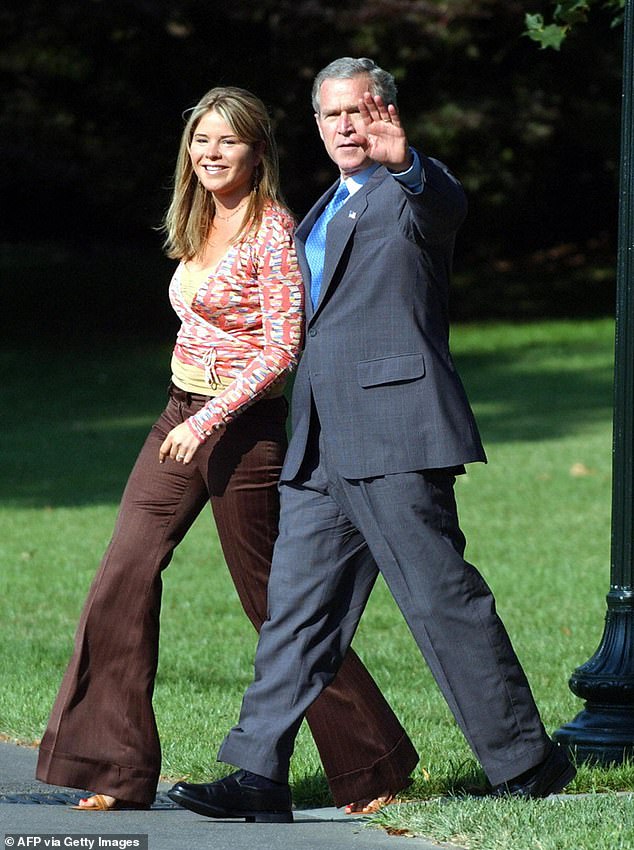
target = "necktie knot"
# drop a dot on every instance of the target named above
(316, 242)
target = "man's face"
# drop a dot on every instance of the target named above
(339, 120)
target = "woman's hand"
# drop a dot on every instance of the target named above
(181, 445)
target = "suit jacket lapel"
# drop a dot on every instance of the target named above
(306, 224)
(340, 229)
(342, 226)
(301, 235)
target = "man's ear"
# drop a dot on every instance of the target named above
(321, 135)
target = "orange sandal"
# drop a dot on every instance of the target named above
(105, 803)
(369, 807)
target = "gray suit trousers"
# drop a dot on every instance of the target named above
(335, 535)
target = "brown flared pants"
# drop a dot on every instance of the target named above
(102, 734)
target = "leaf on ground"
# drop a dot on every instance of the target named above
(579, 470)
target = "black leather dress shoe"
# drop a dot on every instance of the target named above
(549, 777)
(233, 797)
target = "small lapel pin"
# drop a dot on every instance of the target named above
(352, 214)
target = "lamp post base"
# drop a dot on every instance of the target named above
(604, 731)
(600, 734)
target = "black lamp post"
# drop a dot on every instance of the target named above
(604, 730)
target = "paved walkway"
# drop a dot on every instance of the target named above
(30, 808)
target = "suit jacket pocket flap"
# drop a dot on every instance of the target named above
(390, 370)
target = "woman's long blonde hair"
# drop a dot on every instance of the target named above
(192, 209)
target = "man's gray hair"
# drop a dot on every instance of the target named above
(381, 82)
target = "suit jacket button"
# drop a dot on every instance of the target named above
(312, 332)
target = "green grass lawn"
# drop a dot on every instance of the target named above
(537, 519)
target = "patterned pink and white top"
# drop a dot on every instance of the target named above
(244, 326)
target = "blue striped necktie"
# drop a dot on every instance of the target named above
(316, 242)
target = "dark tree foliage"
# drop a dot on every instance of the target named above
(94, 90)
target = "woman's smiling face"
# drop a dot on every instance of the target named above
(223, 163)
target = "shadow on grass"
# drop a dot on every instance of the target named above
(517, 401)
(78, 421)
(78, 418)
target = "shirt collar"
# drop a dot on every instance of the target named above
(357, 181)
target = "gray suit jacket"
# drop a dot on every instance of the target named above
(376, 361)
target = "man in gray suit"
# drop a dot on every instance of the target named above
(381, 427)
